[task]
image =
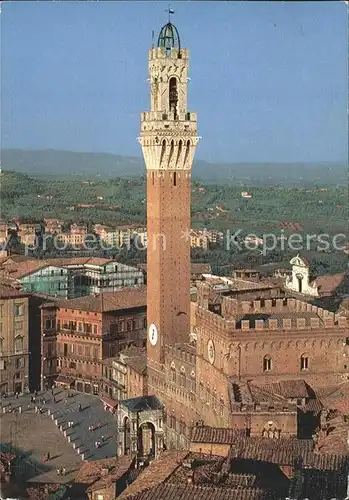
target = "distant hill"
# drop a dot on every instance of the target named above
(103, 165)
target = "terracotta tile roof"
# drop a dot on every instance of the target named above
(264, 394)
(313, 406)
(137, 363)
(23, 268)
(169, 491)
(336, 439)
(126, 298)
(7, 292)
(328, 284)
(134, 357)
(156, 473)
(216, 435)
(337, 399)
(102, 473)
(285, 451)
(296, 388)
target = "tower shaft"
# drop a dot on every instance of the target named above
(168, 139)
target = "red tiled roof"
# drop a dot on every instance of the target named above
(216, 435)
(156, 473)
(96, 474)
(337, 399)
(285, 451)
(169, 491)
(291, 388)
(313, 406)
(125, 298)
(328, 283)
(23, 268)
(8, 292)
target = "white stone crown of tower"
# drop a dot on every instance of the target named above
(168, 131)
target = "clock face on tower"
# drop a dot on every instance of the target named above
(153, 334)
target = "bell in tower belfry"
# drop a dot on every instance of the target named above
(168, 139)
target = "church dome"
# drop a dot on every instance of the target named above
(169, 37)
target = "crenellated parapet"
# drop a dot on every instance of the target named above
(182, 352)
(233, 307)
(319, 320)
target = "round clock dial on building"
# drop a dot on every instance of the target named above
(153, 334)
(211, 351)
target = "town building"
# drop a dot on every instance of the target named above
(52, 225)
(128, 370)
(14, 340)
(91, 329)
(199, 239)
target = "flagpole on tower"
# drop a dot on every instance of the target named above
(170, 11)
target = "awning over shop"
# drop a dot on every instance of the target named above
(62, 380)
(111, 403)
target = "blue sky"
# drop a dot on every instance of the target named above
(268, 80)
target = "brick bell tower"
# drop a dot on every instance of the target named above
(168, 139)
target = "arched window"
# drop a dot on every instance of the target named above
(271, 431)
(173, 375)
(192, 382)
(163, 150)
(1, 344)
(18, 344)
(180, 147)
(187, 151)
(182, 377)
(304, 362)
(267, 365)
(173, 94)
(171, 151)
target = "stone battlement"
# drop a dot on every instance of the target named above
(161, 53)
(324, 319)
(185, 352)
(233, 307)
